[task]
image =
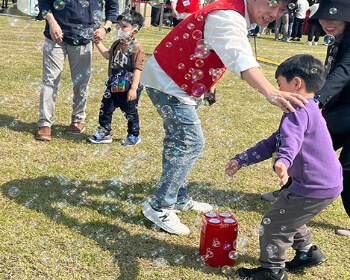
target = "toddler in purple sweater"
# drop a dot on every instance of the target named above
(302, 149)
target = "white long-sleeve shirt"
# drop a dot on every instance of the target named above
(226, 32)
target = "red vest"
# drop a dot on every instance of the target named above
(184, 56)
(193, 7)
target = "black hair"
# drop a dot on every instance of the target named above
(136, 18)
(306, 67)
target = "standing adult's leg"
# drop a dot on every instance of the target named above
(80, 66)
(277, 28)
(53, 59)
(345, 161)
(182, 143)
(285, 21)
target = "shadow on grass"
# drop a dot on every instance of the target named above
(56, 197)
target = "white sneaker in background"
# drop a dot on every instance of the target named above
(314, 43)
(166, 219)
(308, 43)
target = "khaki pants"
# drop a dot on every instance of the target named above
(79, 58)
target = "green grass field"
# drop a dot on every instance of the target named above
(76, 214)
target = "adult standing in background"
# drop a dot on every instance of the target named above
(183, 8)
(313, 30)
(71, 27)
(300, 15)
(334, 97)
(284, 21)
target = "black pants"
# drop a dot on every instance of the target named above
(129, 109)
(313, 30)
(298, 26)
(338, 123)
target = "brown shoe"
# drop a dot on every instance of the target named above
(43, 134)
(75, 128)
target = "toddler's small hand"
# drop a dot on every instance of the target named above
(232, 167)
(281, 171)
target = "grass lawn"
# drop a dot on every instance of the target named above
(70, 210)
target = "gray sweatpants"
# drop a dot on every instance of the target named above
(284, 226)
(79, 58)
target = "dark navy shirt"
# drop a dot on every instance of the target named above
(79, 18)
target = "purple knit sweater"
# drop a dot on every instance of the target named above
(304, 145)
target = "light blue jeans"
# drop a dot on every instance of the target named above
(183, 142)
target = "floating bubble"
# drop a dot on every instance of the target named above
(329, 40)
(243, 156)
(59, 5)
(303, 256)
(233, 255)
(291, 6)
(13, 191)
(200, 18)
(168, 44)
(197, 34)
(282, 211)
(333, 11)
(121, 234)
(127, 19)
(181, 66)
(226, 269)
(197, 75)
(187, 76)
(179, 259)
(227, 246)
(314, 70)
(166, 109)
(273, 3)
(186, 36)
(129, 76)
(62, 202)
(198, 90)
(283, 228)
(184, 87)
(266, 221)
(216, 243)
(166, 22)
(199, 62)
(271, 248)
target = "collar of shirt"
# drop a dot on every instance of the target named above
(250, 26)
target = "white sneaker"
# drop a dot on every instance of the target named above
(343, 232)
(314, 43)
(307, 43)
(166, 219)
(270, 196)
(193, 205)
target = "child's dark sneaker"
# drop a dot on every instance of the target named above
(131, 140)
(312, 257)
(101, 136)
(261, 273)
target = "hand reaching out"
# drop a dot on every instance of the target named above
(281, 171)
(232, 167)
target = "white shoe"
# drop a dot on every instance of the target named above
(314, 43)
(270, 196)
(166, 219)
(308, 43)
(193, 205)
(343, 232)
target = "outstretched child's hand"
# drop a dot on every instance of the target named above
(232, 167)
(281, 171)
(131, 95)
